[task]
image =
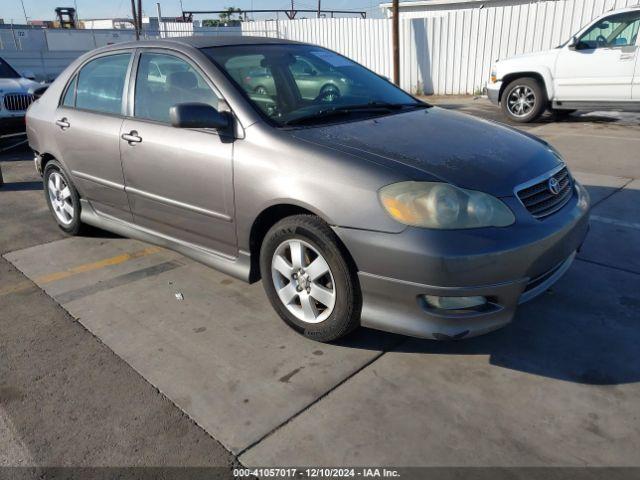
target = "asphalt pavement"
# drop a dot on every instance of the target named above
(102, 363)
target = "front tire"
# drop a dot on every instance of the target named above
(523, 100)
(308, 279)
(62, 198)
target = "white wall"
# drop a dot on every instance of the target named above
(45, 65)
(451, 52)
(365, 41)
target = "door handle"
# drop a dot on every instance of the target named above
(132, 137)
(627, 56)
(63, 123)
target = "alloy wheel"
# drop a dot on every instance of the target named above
(329, 94)
(521, 101)
(303, 281)
(60, 197)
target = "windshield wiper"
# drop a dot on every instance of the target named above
(348, 109)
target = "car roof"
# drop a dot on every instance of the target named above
(202, 41)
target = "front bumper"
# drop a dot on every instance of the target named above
(505, 265)
(493, 92)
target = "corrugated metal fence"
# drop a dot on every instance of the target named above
(450, 52)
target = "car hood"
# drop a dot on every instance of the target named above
(442, 145)
(530, 61)
(16, 85)
(529, 55)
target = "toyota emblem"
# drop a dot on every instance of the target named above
(554, 186)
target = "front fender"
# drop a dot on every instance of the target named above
(273, 168)
(509, 71)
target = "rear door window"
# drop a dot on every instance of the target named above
(101, 84)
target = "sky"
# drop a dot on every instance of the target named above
(44, 9)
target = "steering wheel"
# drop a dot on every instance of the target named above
(601, 40)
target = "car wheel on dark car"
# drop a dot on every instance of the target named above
(62, 198)
(309, 280)
(523, 100)
(260, 90)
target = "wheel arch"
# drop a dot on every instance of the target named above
(267, 218)
(44, 159)
(541, 75)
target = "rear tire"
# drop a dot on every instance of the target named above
(309, 280)
(62, 198)
(523, 100)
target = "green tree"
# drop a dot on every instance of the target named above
(226, 17)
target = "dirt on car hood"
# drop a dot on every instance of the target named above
(448, 146)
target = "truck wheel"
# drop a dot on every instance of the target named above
(523, 100)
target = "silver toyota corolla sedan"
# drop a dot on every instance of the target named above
(368, 207)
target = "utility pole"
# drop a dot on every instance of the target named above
(77, 22)
(159, 20)
(395, 40)
(135, 18)
(319, 7)
(26, 20)
(140, 16)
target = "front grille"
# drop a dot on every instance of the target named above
(540, 201)
(17, 102)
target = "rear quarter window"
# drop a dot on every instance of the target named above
(69, 99)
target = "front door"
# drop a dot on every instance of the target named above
(179, 181)
(88, 123)
(600, 66)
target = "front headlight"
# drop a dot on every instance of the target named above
(493, 76)
(443, 206)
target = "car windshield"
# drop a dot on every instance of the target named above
(6, 71)
(305, 84)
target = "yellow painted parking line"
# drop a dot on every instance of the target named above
(16, 287)
(87, 267)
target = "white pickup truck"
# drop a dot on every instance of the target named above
(597, 69)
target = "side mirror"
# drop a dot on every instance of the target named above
(573, 44)
(198, 115)
(29, 74)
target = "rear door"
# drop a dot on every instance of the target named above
(88, 122)
(179, 181)
(601, 67)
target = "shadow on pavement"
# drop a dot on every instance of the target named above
(20, 186)
(482, 108)
(578, 350)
